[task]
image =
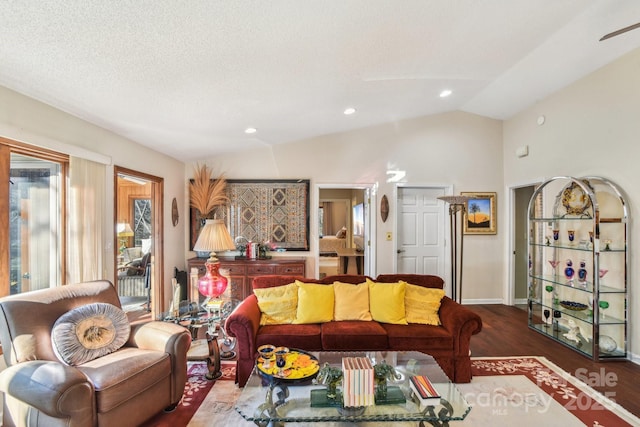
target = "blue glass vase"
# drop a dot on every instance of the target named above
(582, 274)
(569, 272)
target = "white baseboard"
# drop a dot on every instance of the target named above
(482, 301)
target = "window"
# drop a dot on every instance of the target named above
(141, 220)
(33, 251)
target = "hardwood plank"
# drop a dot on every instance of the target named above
(505, 333)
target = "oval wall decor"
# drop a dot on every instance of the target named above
(384, 208)
(174, 212)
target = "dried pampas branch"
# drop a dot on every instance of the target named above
(206, 194)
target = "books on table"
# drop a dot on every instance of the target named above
(358, 387)
(424, 390)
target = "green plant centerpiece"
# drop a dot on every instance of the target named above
(383, 372)
(330, 376)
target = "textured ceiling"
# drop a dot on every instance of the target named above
(187, 77)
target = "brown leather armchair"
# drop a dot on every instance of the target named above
(123, 388)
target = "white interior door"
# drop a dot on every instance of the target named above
(421, 231)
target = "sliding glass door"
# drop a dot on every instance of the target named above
(35, 217)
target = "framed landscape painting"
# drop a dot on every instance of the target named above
(481, 213)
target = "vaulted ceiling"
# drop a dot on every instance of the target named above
(188, 77)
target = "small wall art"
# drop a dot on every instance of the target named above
(481, 213)
(384, 208)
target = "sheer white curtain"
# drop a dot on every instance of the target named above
(85, 219)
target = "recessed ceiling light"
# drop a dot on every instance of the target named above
(349, 111)
(445, 93)
(250, 130)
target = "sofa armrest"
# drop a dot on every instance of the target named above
(243, 324)
(461, 324)
(170, 338)
(53, 388)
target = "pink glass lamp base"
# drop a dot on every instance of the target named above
(212, 284)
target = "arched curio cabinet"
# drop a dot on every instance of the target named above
(577, 244)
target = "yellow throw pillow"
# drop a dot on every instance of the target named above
(277, 304)
(386, 302)
(315, 303)
(352, 301)
(422, 304)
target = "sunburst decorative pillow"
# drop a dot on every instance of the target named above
(88, 332)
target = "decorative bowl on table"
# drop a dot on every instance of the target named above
(573, 305)
(299, 366)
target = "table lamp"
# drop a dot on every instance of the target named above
(213, 237)
(124, 232)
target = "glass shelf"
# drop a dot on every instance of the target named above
(561, 281)
(577, 218)
(583, 315)
(577, 247)
(587, 350)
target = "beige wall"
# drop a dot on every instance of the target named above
(457, 148)
(592, 127)
(27, 120)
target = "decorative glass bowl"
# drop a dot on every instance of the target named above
(573, 305)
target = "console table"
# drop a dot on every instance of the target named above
(242, 271)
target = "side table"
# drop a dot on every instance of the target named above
(345, 253)
(204, 349)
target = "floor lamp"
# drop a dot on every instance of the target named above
(456, 204)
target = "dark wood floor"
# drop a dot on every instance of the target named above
(505, 333)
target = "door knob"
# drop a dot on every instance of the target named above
(401, 250)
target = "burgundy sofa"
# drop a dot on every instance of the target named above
(448, 343)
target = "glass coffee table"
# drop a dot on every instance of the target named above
(272, 402)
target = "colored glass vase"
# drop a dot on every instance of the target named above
(569, 272)
(582, 273)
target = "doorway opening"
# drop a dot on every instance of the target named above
(139, 260)
(345, 230)
(518, 289)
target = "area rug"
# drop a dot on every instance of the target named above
(196, 389)
(515, 391)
